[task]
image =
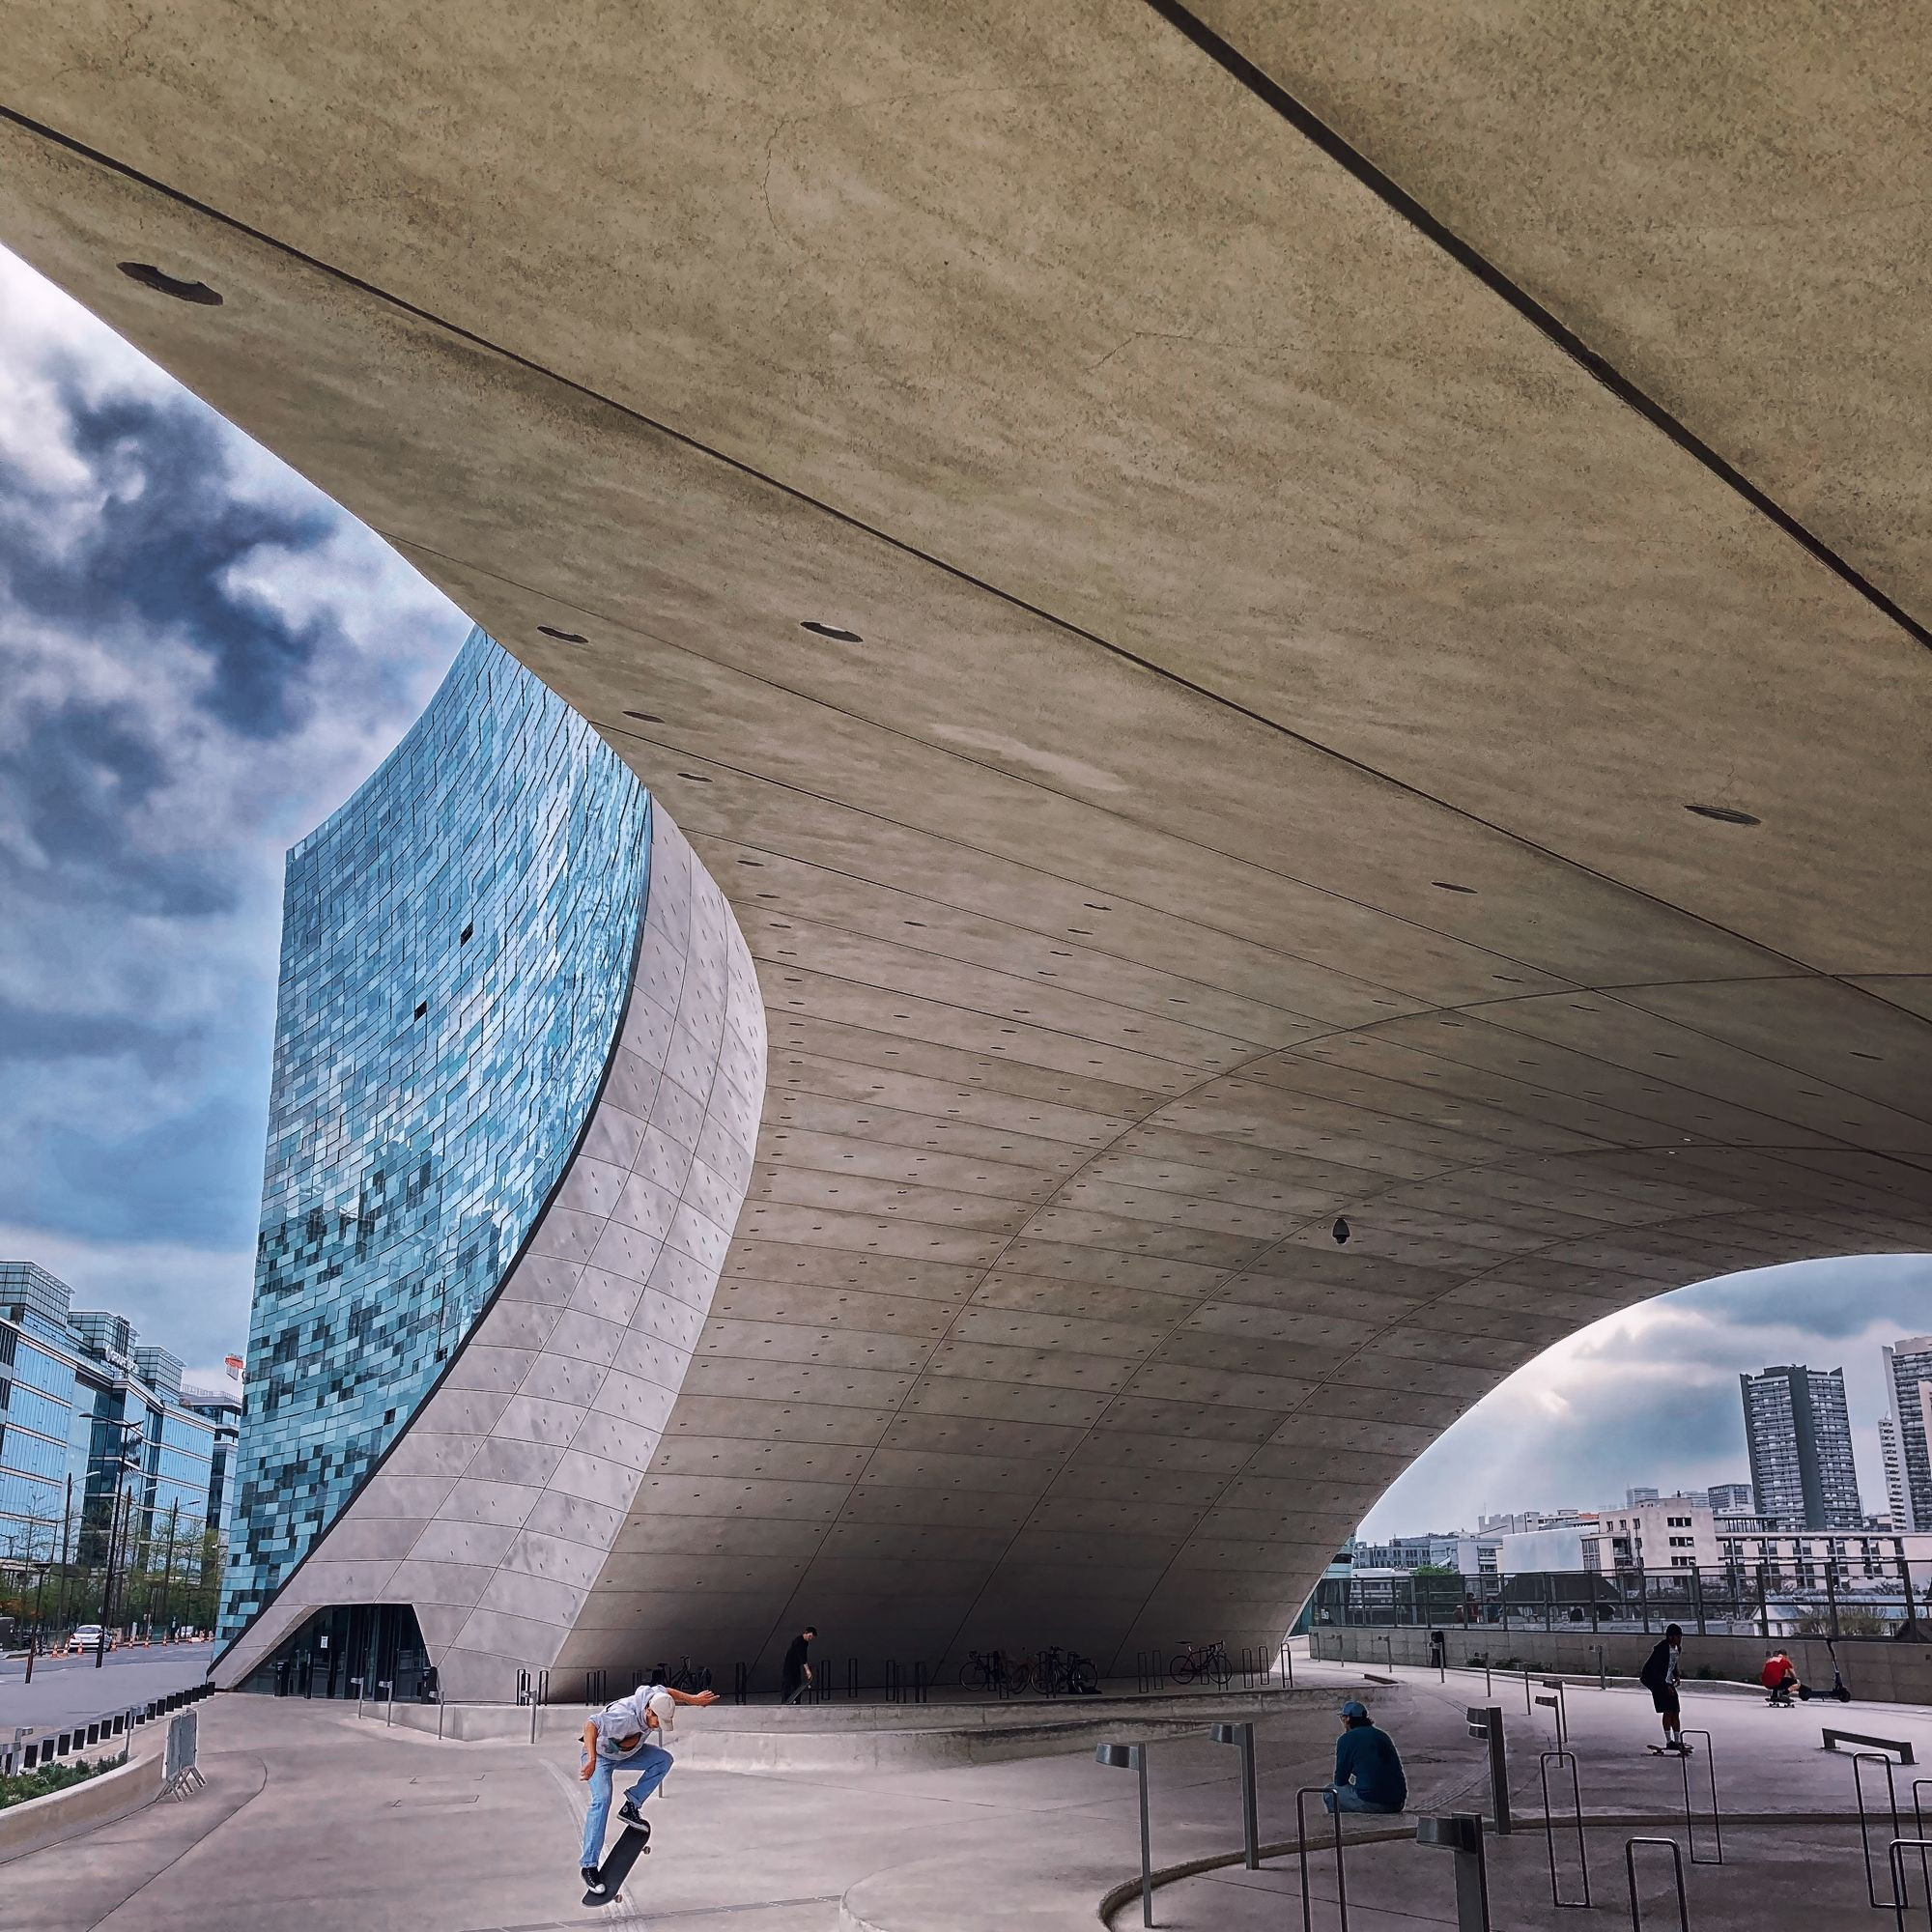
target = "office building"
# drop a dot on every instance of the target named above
(101, 1453)
(1799, 1438)
(1731, 1499)
(1907, 1378)
(1634, 1497)
(517, 1053)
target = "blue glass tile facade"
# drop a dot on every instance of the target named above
(457, 946)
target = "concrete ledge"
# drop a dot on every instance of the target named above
(98, 1800)
(839, 1737)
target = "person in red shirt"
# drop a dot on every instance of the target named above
(1779, 1678)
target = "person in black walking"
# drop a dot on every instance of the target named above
(797, 1675)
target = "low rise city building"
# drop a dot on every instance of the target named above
(104, 1457)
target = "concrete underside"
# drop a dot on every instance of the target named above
(1236, 573)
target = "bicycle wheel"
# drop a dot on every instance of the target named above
(973, 1676)
(1181, 1669)
(1082, 1678)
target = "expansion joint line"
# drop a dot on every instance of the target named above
(1308, 123)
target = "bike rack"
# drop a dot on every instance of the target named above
(1717, 1820)
(1894, 1859)
(539, 1697)
(741, 1682)
(1676, 1870)
(1308, 1791)
(596, 1687)
(1893, 1903)
(1561, 1756)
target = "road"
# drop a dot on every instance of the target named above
(70, 1688)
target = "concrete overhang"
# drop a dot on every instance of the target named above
(1246, 780)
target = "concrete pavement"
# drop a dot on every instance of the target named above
(313, 1817)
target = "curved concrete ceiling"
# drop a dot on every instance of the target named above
(1254, 786)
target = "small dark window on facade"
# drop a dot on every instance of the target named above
(422, 1008)
(462, 937)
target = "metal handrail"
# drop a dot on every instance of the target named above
(1895, 1863)
(1864, 1826)
(1677, 1872)
(1543, 1763)
(1301, 1857)
(1717, 1818)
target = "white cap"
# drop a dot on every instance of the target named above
(663, 1708)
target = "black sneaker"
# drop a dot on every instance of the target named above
(634, 1818)
(591, 1882)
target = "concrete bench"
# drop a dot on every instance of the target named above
(1833, 1739)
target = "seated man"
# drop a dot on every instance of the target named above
(1780, 1679)
(1367, 1768)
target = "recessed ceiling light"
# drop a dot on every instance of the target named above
(162, 283)
(1447, 885)
(645, 717)
(1726, 814)
(836, 633)
(562, 636)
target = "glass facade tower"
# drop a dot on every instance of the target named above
(457, 944)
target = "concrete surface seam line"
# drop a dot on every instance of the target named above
(1308, 123)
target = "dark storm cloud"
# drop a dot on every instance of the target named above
(158, 556)
(200, 657)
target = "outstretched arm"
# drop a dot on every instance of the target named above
(696, 1697)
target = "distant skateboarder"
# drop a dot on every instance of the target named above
(1660, 1677)
(619, 1739)
(796, 1674)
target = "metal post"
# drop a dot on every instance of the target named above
(1461, 1833)
(1308, 1791)
(1549, 1827)
(1717, 1820)
(1697, 1600)
(1763, 1603)
(1858, 1758)
(1486, 1722)
(1677, 1872)
(1242, 1737)
(1832, 1592)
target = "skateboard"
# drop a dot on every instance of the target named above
(1671, 1750)
(635, 1842)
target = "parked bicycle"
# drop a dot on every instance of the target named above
(988, 1671)
(687, 1677)
(1210, 1661)
(1061, 1673)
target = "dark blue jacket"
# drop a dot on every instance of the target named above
(1366, 1758)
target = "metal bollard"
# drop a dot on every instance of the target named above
(1486, 1722)
(1677, 1872)
(1462, 1833)
(1308, 1791)
(1895, 1903)
(1717, 1819)
(1242, 1737)
(1549, 1827)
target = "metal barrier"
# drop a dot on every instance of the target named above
(1717, 1818)
(180, 1773)
(1894, 1859)
(596, 1689)
(1895, 1903)
(741, 1682)
(1563, 1757)
(1301, 1856)
(1677, 1872)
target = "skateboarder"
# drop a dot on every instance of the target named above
(1660, 1677)
(619, 1739)
(796, 1673)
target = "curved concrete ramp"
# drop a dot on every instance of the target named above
(1221, 707)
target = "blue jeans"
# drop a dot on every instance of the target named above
(650, 1762)
(1345, 1798)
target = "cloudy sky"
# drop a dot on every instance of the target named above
(199, 658)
